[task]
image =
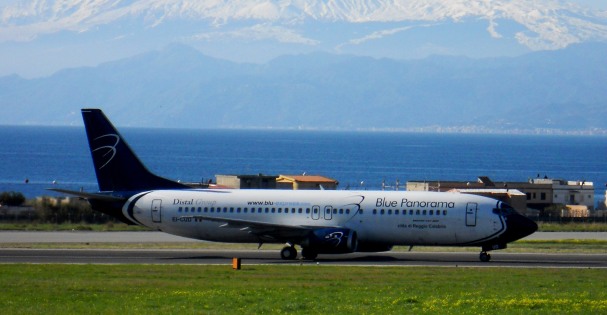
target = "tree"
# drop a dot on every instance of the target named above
(11, 198)
(555, 210)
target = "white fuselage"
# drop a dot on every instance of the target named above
(388, 217)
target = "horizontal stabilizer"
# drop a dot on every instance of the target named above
(89, 196)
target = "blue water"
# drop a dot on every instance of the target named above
(44, 155)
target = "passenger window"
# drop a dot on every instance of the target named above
(444, 212)
(417, 212)
(374, 211)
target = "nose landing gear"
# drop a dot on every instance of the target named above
(484, 256)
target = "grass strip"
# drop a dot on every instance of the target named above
(49, 227)
(145, 289)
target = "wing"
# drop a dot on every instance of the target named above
(265, 230)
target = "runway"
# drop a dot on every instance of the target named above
(271, 257)
(160, 237)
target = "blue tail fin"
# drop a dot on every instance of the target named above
(116, 165)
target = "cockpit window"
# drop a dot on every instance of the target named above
(503, 209)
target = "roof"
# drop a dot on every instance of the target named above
(513, 192)
(307, 178)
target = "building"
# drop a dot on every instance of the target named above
(513, 197)
(260, 181)
(575, 212)
(539, 192)
(306, 182)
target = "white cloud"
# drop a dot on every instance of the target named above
(379, 35)
(492, 29)
(260, 32)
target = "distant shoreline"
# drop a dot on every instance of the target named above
(431, 130)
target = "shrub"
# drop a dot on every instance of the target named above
(11, 198)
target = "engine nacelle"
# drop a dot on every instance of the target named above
(331, 241)
(373, 247)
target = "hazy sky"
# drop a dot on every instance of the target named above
(595, 4)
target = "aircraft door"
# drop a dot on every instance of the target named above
(315, 212)
(471, 210)
(156, 210)
(328, 213)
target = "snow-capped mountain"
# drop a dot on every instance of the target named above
(42, 36)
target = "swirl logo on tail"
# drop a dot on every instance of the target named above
(110, 152)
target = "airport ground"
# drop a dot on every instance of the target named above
(152, 272)
(542, 249)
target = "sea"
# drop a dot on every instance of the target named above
(33, 159)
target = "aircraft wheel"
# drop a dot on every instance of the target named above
(288, 253)
(485, 257)
(308, 254)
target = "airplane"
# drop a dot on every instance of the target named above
(318, 221)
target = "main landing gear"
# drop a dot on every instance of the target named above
(484, 256)
(289, 253)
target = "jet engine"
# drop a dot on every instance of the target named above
(331, 241)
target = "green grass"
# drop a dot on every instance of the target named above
(146, 289)
(572, 227)
(560, 246)
(49, 227)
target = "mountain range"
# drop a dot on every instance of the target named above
(179, 87)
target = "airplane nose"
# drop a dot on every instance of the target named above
(518, 226)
